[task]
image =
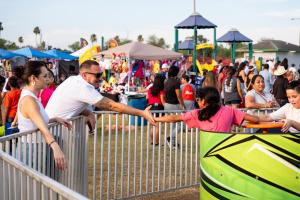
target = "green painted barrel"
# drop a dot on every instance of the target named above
(249, 166)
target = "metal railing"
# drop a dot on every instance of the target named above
(258, 112)
(126, 165)
(19, 181)
(121, 161)
(31, 149)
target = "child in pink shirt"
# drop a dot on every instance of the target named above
(211, 116)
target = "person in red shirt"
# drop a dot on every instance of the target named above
(10, 105)
(155, 97)
(187, 92)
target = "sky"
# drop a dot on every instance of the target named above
(63, 22)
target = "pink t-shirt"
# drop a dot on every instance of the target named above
(45, 96)
(220, 122)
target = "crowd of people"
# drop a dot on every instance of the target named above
(31, 98)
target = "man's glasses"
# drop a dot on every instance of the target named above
(97, 75)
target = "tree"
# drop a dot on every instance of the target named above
(43, 45)
(93, 38)
(117, 38)
(124, 41)
(201, 39)
(140, 38)
(75, 46)
(1, 28)
(5, 44)
(20, 40)
(155, 41)
(223, 52)
(37, 32)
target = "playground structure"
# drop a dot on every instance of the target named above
(197, 21)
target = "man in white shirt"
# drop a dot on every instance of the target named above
(267, 78)
(75, 95)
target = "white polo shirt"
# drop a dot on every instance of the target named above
(72, 97)
(287, 112)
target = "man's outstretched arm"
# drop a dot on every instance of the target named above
(107, 104)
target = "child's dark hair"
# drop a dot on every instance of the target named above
(294, 85)
(13, 82)
(158, 85)
(186, 77)
(212, 98)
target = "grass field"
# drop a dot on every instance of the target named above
(141, 168)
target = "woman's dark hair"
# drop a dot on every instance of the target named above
(231, 71)
(13, 82)
(33, 68)
(294, 85)
(285, 63)
(212, 98)
(266, 66)
(173, 71)
(2, 82)
(241, 67)
(252, 81)
(158, 85)
(52, 74)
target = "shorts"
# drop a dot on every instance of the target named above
(156, 107)
(233, 102)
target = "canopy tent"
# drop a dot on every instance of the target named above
(81, 51)
(4, 54)
(32, 53)
(233, 36)
(141, 51)
(60, 55)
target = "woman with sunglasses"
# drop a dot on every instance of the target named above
(211, 116)
(31, 113)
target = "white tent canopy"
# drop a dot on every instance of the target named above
(141, 51)
(82, 50)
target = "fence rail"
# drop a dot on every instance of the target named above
(19, 181)
(118, 161)
(31, 149)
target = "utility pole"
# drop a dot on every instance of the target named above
(293, 19)
(1, 28)
(194, 6)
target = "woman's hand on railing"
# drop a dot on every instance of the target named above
(59, 157)
(63, 122)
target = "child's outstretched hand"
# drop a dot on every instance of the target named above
(287, 124)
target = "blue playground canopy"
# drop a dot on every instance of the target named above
(4, 54)
(233, 36)
(60, 55)
(195, 20)
(187, 44)
(32, 53)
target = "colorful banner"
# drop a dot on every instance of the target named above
(250, 166)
